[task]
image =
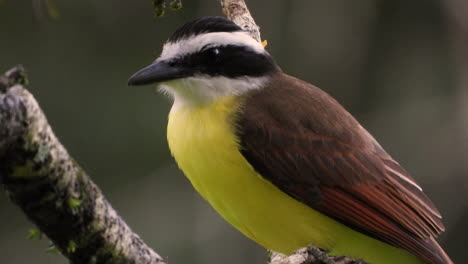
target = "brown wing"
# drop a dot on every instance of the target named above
(300, 139)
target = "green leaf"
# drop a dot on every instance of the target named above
(176, 4)
(34, 233)
(71, 248)
(159, 7)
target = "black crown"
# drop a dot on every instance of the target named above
(204, 25)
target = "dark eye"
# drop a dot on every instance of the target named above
(210, 55)
(215, 51)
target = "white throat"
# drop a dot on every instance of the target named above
(199, 90)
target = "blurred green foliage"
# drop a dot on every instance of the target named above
(160, 6)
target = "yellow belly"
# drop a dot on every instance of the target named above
(203, 142)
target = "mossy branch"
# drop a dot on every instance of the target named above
(237, 11)
(310, 255)
(53, 191)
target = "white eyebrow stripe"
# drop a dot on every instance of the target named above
(196, 43)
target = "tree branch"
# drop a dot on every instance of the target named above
(309, 255)
(237, 11)
(53, 190)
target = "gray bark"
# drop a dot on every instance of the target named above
(53, 191)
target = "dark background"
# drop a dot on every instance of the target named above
(401, 67)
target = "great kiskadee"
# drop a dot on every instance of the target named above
(280, 159)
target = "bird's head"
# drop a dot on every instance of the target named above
(208, 58)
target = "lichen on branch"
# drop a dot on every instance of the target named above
(237, 11)
(53, 191)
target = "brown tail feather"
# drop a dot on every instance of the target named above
(440, 256)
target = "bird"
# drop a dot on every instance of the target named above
(280, 159)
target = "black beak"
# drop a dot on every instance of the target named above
(158, 72)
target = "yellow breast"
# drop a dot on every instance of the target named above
(203, 142)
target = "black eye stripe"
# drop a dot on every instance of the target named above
(212, 52)
(229, 61)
